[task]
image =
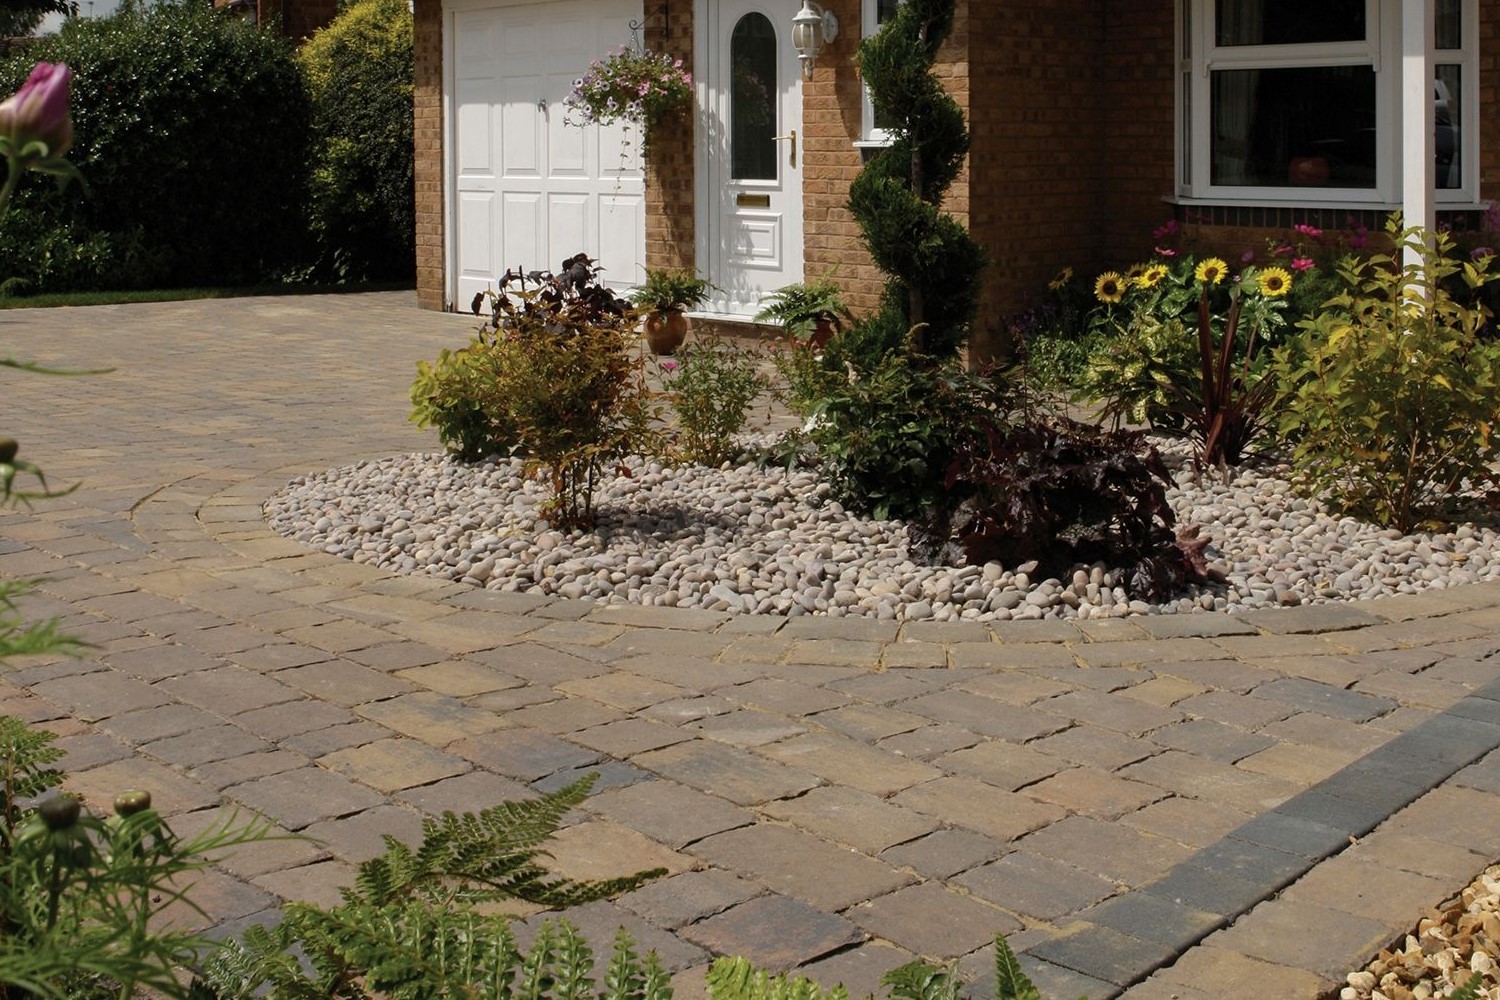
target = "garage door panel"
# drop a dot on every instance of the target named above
(530, 189)
(521, 233)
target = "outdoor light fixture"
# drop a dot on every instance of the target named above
(812, 28)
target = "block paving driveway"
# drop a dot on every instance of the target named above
(1197, 806)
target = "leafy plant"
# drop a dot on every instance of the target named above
(799, 308)
(359, 73)
(80, 897)
(671, 288)
(710, 389)
(1393, 395)
(414, 924)
(738, 979)
(932, 263)
(1065, 493)
(554, 380)
(1132, 374)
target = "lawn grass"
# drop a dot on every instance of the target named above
(105, 298)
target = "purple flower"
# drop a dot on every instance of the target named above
(38, 112)
(1247, 256)
(1311, 232)
(1480, 253)
(668, 365)
(1169, 228)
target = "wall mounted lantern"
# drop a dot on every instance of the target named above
(812, 28)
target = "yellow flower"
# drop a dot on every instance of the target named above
(1274, 282)
(1134, 271)
(1211, 271)
(1152, 276)
(1061, 281)
(1110, 287)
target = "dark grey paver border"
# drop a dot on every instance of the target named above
(1122, 940)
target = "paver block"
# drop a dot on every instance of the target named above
(1355, 885)
(1458, 816)
(229, 690)
(1103, 953)
(933, 921)
(775, 694)
(1278, 932)
(624, 690)
(1034, 886)
(688, 897)
(171, 792)
(869, 723)
(1108, 654)
(96, 696)
(237, 770)
(1007, 656)
(1092, 745)
(204, 746)
(317, 742)
(1353, 819)
(269, 659)
(1013, 687)
(774, 932)
(669, 813)
(432, 718)
(800, 865)
(1412, 852)
(162, 660)
(149, 724)
(359, 837)
(1220, 971)
(1301, 765)
(859, 819)
(1109, 850)
(1090, 792)
(1324, 699)
(599, 921)
(729, 772)
(609, 774)
(1214, 892)
(216, 898)
(891, 685)
(1110, 712)
(748, 728)
(931, 741)
(849, 762)
(1002, 764)
(1254, 863)
(858, 969)
(563, 715)
(280, 721)
(1152, 918)
(296, 799)
(1309, 618)
(599, 849)
(342, 682)
(1196, 777)
(977, 806)
(85, 750)
(945, 853)
(1304, 837)
(469, 792)
(539, 664)
(523, 753)
(340, 636)
(317, 883)
(1210, 739)
(1240, 711)
(395, 764)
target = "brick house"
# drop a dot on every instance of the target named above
(1093, 121)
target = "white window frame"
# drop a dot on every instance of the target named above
(1199, 56)
(869, 135)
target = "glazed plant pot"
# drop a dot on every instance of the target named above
(666, 330)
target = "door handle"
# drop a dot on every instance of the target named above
(792, 136)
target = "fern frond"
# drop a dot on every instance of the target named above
(656, 983)
(737, 979)
(622, 978)
(536, 970)
(920, 980)
(1010, 982)
(574, 962)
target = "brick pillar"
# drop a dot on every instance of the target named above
(670, 230)
(427, 115)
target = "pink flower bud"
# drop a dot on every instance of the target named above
(38, 112)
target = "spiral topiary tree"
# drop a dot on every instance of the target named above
(932, 262)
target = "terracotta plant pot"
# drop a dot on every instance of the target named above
(1307, 170)
(666, 330)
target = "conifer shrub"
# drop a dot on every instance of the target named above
(359, 72)
(190, 129)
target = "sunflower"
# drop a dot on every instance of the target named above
(1110, 287)
(1274, 282)
(1061, 281)
(1152, 276)
(1134, 271)
(1211, 271)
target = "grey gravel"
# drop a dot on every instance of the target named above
(772, 541)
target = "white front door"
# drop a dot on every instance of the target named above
(751, 217)
(528, 189)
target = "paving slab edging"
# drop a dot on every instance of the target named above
(1123, 940)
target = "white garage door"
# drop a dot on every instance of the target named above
(530, 190)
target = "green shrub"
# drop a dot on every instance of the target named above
(710, 390)
(359, 73)
(1393, 396)
(558, 383)
(190, 129)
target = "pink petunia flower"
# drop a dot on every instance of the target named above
(1165, 252)
(1302, 263)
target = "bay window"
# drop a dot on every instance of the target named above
(1298, 101)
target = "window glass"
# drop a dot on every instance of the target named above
(752, 99)
(884, 11)
(1288, 22)
(1448, 25)
(1310, 125)
(1447, 112)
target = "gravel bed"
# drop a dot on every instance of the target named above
(771, 541)
(1443, 952)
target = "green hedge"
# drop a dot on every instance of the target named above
(191, 130)
(359, 74)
